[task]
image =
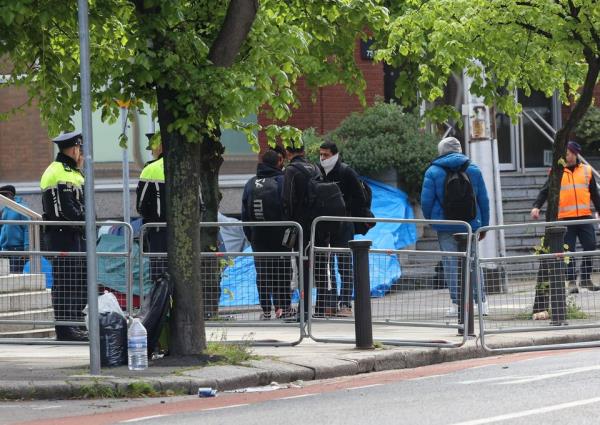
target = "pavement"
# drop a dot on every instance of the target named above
(51, 371)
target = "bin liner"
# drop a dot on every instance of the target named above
(155, 309)
(113, 339)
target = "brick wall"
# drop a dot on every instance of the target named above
(25, 150)
(333, 103)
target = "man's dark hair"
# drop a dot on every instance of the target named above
(280, 150)
(295, 149)
(330, 146)
(271, 158)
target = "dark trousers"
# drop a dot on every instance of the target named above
(587, 238)
(156, 241)
(69, 289)
(344, 264)
(17, 262)
(325, 296)
(273, 277)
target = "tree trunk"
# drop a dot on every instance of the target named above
(211, 160)
(562, 136)
(182, 181)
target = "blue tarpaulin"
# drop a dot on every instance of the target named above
(238, 282)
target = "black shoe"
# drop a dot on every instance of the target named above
(587, 284)
(572, 287)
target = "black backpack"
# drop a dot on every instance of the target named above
(459, 197)
(363, 210)
(265, 200)
(321, 197)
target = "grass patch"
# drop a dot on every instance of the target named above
(140, 389)
(98, 389)
(575, 312)
(230, 353)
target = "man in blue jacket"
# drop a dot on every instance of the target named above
(13, 237)
(432, 200)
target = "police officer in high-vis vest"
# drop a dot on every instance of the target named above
(62, 200)
(151, 206)
(578, 191)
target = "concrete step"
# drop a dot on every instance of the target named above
(20, 301)
(520, 191)
(518, 215)
(22, 283)
(4, 266)
(537, 178)
(518, 202)
(32, 333)
(29, 315)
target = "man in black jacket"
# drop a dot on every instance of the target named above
(349, 183)
(261, 201)
(295, 208)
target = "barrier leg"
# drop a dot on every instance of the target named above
(363, 325)
(558, 307)
(465, 302)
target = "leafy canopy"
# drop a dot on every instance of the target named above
(288, 39)
(531, 44)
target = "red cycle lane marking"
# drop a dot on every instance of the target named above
(312, 388)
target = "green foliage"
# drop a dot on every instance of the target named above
(588, 130)
(382, 137)
(312, 142)
(137, 49)
(230, 353)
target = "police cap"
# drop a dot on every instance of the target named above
(67, 140)
(149, 136)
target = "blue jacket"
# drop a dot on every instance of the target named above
(432, 193)
(12, 236)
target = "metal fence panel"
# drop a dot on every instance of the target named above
(410, 302)
(248, 295)
(534, 292)
(41, 289)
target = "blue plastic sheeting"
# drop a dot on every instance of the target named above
(238, 282)
(111, 270)
(46, 270)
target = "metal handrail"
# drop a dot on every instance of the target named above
(551, 139)
(34, 231)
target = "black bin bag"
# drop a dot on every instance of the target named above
(113, 339)
(156, 307)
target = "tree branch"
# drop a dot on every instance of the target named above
(238, 21)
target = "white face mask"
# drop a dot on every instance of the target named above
(329, 163)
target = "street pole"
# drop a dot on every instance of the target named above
(90, 210)
(479, 145)
(126, 201)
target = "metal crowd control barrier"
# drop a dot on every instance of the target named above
(411, 306)
(33, 302)
(244, 291)
(538, 291)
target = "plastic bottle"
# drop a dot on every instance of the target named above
(137, 346)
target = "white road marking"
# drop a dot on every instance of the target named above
(296, 396)
(364, 386)
(142, 419)
(499, 378)
(528, 379)
(45, 407)
(420, 378)
(538, 411)
(225, 407)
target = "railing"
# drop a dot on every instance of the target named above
(34, 231)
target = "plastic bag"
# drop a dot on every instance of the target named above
(113, 330)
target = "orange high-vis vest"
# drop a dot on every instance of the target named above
(575, 192)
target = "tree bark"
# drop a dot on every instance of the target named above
(182, 176)
(211, 160)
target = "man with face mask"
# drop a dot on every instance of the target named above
(334, 170)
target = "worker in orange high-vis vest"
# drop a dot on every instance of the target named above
(578, 191)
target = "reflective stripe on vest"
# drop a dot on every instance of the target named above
(574, 192)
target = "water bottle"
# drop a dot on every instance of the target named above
(137, 346)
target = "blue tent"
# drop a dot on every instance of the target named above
(238, 281)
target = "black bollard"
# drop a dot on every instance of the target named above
(462, 238)
(558, 306)
(363, 324)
